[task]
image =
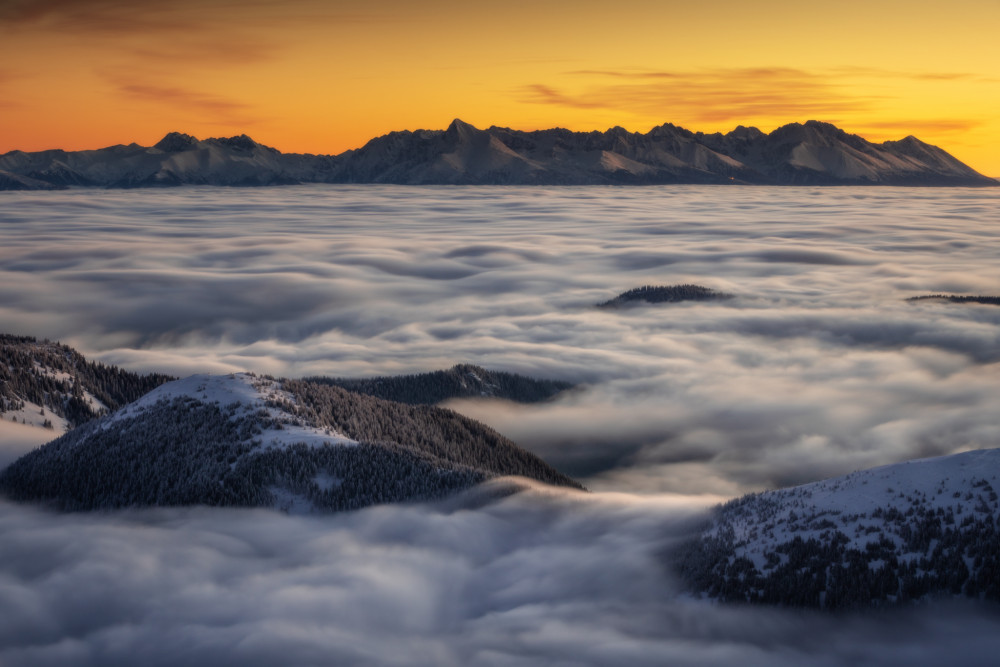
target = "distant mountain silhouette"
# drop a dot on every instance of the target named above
(813, 153)
(957, 298)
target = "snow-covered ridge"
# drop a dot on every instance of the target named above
(795, 154)
(240, 394)
(891, 534)
(961, 483)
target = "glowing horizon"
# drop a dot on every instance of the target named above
(325, 77)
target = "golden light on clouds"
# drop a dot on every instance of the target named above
(315, 76)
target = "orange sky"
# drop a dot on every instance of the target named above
(325, 76)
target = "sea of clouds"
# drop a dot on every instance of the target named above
(817, 367)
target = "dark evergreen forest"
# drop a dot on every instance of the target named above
(27, 369)
(911, 552)
(460, 381)
(187, 451)
(665, 294)
(953, 298)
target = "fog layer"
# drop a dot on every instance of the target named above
(817, 367)
(540, 578)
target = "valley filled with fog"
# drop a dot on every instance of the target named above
(817, 366)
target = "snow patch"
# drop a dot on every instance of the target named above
(35, 415)
(865, 506)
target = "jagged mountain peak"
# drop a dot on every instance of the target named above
(908, 142)
(743, 132)
(815, 131)
(240, 142)
(824, 127)
(174, 142)
(460, 128)
(668, 130)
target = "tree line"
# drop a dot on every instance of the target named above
(28, 374)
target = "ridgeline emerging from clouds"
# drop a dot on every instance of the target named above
(813, 153)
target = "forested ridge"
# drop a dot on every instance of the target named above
(186, 452)
(797, 548)
(459, 381)
(440, 432)
(57, 377)
(957, 298)
(665, 294)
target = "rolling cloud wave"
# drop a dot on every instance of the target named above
(537, 578)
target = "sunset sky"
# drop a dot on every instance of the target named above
(322, 77)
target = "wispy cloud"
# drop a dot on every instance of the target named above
(6, 100)
(744, 94)
(709, 96)
(105, 17)
(224, 110)
(927, 126)
(99, 16)
(184, 32)
(548, 95)
(880, 73)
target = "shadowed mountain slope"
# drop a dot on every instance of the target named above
(459, 381)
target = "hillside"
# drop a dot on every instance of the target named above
(811, 153)
(245, 440)
(890, 535)
(459, 381)
(958, 298)
(665, 294)
(45, 383)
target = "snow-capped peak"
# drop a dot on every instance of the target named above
(240, 394)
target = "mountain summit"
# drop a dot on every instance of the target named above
(811, 153)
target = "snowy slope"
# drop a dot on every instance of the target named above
(242, 395)
(49, 385)
(247, 440)
(886, 535)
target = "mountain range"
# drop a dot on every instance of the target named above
(811, 153)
